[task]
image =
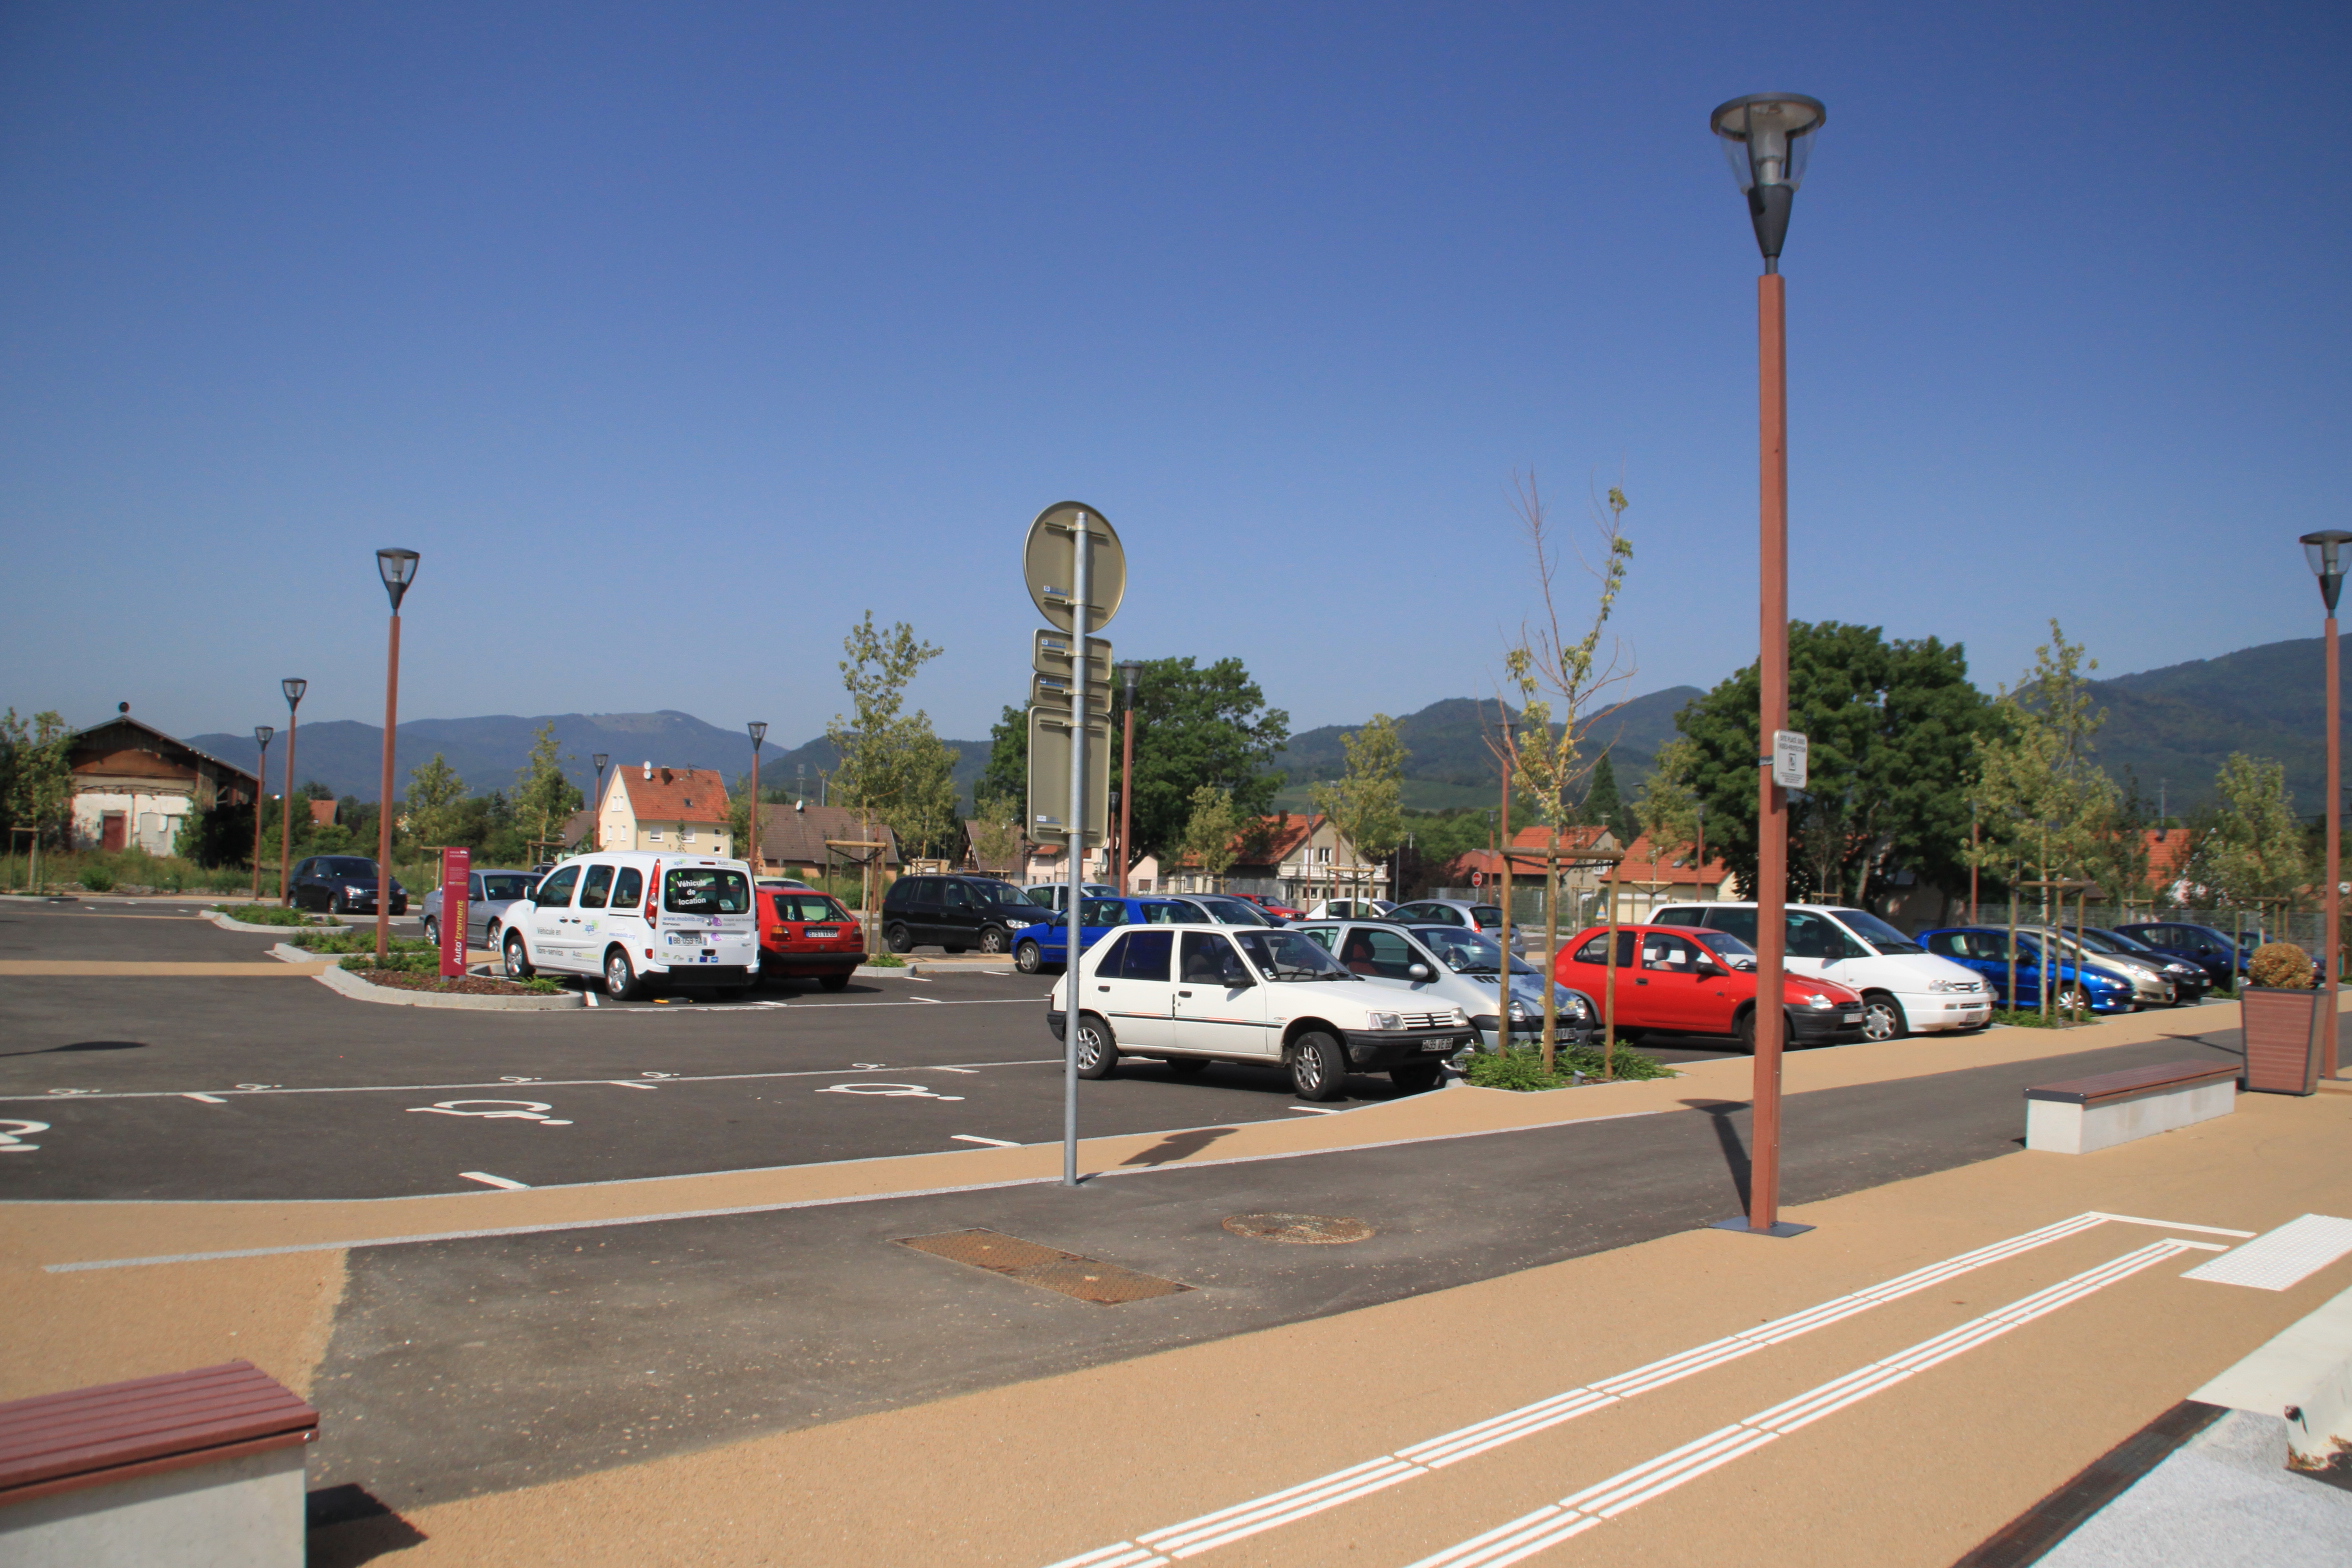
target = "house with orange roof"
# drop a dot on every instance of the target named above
(1656, 872)
(1297, 856)
(1527, 851)
(683, 810)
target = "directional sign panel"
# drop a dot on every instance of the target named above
(1049, 560)
(1055, 653)
(1050, 736)
(1054, 692)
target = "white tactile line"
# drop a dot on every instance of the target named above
(1554, 1523)
(1308, 1498)
(2283, 1258)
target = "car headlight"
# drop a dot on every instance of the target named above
(353, 887)
(1580, 1009)
(1518, 1011)
(1942, 987)
(1383, 1021)
(1819, 1003)
(1461, 1018)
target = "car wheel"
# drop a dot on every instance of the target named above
(2072, 1000)
(1028, 958)
(992, 940)
(432, 932)
(620, 977)
(1413, 1077)
(518, 958)
(1098, 1052)
(1882, 1018)
(898, 939)
(1317, 1067)
(490, 935)
(834, 982)
(1743, 1029)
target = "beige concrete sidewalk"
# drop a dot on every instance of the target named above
(1916, 1474)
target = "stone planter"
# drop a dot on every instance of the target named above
(2282, 1040)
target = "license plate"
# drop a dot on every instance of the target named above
(1440, 1045)
(815, 931)
(1850, 1018)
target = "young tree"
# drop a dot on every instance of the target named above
(1363, 804)
(435, 795)
(1559, 675)
(544, 799)
(1007, 775)
(1210, 830)
(893, 767)
(995, 832)
(2255, 854)
(36, 775)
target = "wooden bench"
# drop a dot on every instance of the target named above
(2083, 1114)
(197, 1469)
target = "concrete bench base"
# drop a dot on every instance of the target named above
(238, 1513)
(2055, 1127)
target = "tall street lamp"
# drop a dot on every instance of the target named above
(1130, 671)
(759, 733)
(293, 689)
(1767, 137)
(261, 737)
(2328, 556)
(596, 817)
(398, 569)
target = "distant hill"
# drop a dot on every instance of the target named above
(1447, 762)
(2178, 723)
(348, 757)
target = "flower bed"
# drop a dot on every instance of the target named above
(408, 979)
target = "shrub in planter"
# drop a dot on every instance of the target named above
(2282, 965)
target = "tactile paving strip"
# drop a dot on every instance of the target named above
(1048, 1268)
(2283, 1258)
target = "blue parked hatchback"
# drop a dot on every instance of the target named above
(1047, 944)
(1985, 949)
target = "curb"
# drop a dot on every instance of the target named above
(334, 979)
(227, 924)
(869, 972)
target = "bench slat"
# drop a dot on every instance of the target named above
(2134, 1081)
(89, 1436)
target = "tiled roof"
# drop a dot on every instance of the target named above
(2168, 853)
(798, 834)
(1677, 863)
(676, 794)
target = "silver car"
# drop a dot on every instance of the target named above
(488, 893)
(1459, 966)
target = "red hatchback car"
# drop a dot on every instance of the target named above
(1676, 980)
(805, 935)
(1273, 906)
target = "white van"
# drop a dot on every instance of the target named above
(639, 919)
(1905, 988)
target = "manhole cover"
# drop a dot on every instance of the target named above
(1312, 1230)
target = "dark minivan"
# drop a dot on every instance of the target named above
(2203, 946)
(955, 913)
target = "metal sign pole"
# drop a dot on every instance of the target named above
(1081, 590)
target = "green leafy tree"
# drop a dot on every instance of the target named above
(1007, 775)
(1892, 728)
(436, 796)
(1210, 830)
(994, 831)
(2254, 853)
(894, 769)
(544, 799)
(36, 775)
(1363, 804)
(1604, 802)
(1198, 728)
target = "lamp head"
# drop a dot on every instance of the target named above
(1767, 137)
(2328, 555)
(262, 734)
(759, 733)
(600, 759)
(1130, 671)
(293, 689)
(398, 569)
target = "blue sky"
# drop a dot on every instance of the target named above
(677, 337)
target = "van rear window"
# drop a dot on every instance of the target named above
(711, 892)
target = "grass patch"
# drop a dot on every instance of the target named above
(885, 961)
(422, 972)
(2031, 1018)
(1521, 1068)
(351, 939)
(264, 914)
(124, 870)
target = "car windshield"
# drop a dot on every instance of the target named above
(707, 892)
(1877, 932)
(1488, 914)
(2124, 944)
(2101, 942)
(1468, 952)
(1288, 955)
(807, 906)
(349, 866)
(507, 884)
(1735, 953)
(1233, 911)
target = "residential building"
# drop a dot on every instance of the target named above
(1656, 872)
(677, 809)
(1044, 863)
(794, 840)
(1296, 856)
(133, 785)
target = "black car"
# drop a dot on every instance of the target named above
(341, 884)
(955, 913)
(2208, 949)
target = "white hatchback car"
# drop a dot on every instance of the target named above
(639, 919)
(1190, 995)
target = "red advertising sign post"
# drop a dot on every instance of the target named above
(456, 869)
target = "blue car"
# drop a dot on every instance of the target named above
(1985, 949)
(1047, 944)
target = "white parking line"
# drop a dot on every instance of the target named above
(623, 1083)
(209, 1099)
(268, 1090)
(488, 1180)
(973, 1137)
(1308, 1498)
(1315, 1110)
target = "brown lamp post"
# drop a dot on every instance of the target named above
(293, 689)
(759, 733)
(1767, 137)
(2328, 556)
(1130, 671)
(261, 736)
(398, 569)
(596, 816)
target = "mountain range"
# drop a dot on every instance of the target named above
(2167, 729)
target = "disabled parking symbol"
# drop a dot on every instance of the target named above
(13, 1134)
(889, 1091)
(496, 1110)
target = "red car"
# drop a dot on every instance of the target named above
(1679, 980)
(805, 935)
(1272, 906)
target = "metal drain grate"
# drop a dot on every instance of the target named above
(1048, 1268)
(1309, 1230)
